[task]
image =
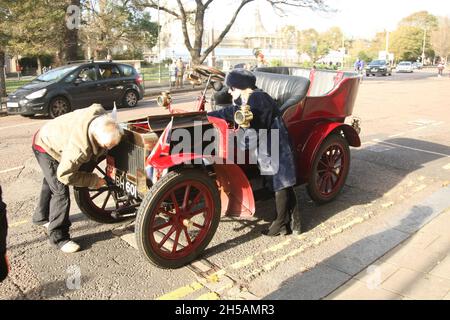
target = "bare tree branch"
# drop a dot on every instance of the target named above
(225, 31)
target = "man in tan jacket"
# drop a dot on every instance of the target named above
(61, 146)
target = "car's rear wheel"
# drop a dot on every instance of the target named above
(130, 99)
(99, 204)
(178, 218)
(330, 169)
(58, 106)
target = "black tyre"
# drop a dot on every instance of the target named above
(130, 99)
(58, 106)
(330, 169)
(178, 218)
(98, 205)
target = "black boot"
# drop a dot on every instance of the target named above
(295, 215)
(281, 225)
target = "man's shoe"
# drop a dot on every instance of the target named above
(70, 247)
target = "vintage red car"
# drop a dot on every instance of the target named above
(178, 198)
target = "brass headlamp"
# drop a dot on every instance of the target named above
(165, 99)
(194, 79)
(244, 116)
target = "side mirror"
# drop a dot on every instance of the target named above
(78, 81)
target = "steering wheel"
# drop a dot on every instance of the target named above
(206, 71)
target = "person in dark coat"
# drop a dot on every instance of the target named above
(281, 173)
(4, 268)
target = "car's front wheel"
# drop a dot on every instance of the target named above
(130, 99)
(178, 218)
(58, 106)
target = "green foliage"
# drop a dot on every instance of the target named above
(421, 19)
(407, 43)
(276, 63)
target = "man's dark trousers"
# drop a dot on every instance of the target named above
(54, 201)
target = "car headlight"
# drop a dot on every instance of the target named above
(37, 94)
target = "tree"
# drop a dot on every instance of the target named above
(406, 43)
(192, 13)
(110, 24)
(3, 42)
(308, 42)
(34, 27)
(421, 19)
(331, 39)
(440, 38)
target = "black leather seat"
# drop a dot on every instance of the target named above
(286, 90)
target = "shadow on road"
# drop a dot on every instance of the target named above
(372, 175)
(335, 271)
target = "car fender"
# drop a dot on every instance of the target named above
(236, 192)
(316, 138)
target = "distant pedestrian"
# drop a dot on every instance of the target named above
(180, 73)
(357, 65)
(173, 74)
(441, 68)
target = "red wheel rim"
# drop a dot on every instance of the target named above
(181, 220)
(331, 170)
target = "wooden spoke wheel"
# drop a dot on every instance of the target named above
(178, 218)
(99, 204)
(330, 169)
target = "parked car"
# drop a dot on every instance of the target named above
(378, 67)
(76, 86)
(405, 66)
(417, 65)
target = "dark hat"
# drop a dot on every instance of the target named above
(241, 79)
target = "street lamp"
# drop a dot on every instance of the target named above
(424, 44)
(159, 45)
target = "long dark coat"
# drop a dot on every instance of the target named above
(266, 115)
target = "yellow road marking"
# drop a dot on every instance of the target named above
(209, 296)
(19, 223)
(182, 292)
(420, 188)
(12, 169)
(387, 205)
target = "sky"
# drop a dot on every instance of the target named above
(357, 18)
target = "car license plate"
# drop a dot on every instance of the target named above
(123, 183)
(12, 105)
(374, 70)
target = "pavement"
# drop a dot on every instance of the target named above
(402, 256)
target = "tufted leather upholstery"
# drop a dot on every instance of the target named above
(286, 90)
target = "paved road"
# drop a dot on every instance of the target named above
(416, 75)
(405, 157)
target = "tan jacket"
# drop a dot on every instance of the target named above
(67, 140)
